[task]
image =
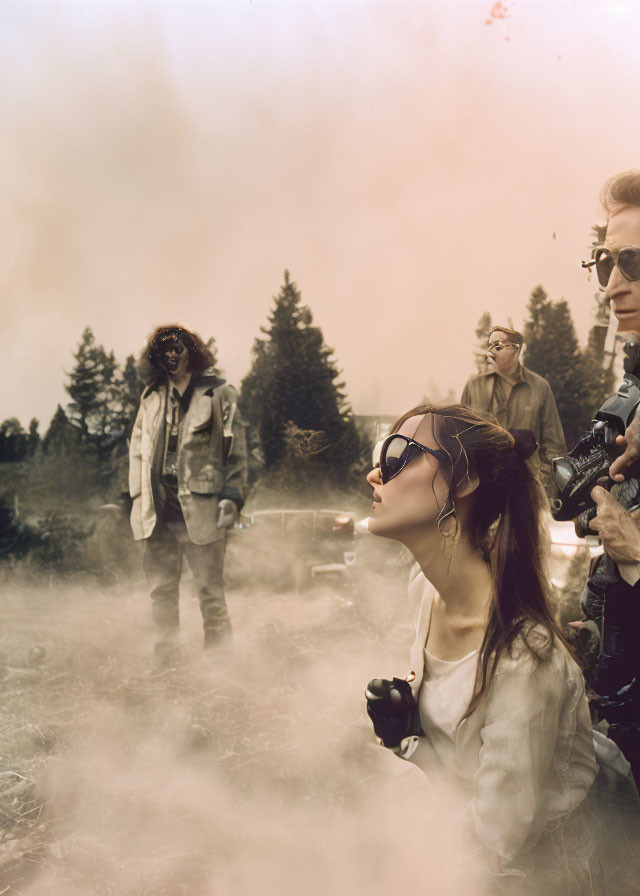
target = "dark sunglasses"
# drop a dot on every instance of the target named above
(174, 347)
(627, 259)
(396, 451)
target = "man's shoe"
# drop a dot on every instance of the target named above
(214, 640)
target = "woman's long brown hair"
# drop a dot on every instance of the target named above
(503, 520)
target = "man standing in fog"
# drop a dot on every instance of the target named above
(187, 476)
(517, 399)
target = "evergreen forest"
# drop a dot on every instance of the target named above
(306, 445)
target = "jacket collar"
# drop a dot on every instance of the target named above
(521, 374)
(207, 380)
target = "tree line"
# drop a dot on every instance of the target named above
(301, 428)
(300, 425)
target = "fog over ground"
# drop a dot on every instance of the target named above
(412, 164)
(247, 771)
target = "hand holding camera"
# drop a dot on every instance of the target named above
(589, 464)
(392, 709)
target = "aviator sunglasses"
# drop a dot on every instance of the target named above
(498, 346)
(627, 258)
(395, 453)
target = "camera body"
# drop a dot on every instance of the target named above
(607, 600)
(587, 465)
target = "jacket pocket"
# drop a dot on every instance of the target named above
(209, 485)
(200, 414)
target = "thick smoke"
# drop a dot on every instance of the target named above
(248, 771)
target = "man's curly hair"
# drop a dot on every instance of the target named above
(200, 358)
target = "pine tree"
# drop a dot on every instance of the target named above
(536, 329)
(60, 435)
(483, 327)
(33, 439)
(293, 399)
(598, 233)
(13, 440)
(107, 420)
(552, 350)
(600, 363)
(94, 388)
(129, 386)
(212, 345)
(85, 384)
(598, 332)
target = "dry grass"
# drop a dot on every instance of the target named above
(250, 770)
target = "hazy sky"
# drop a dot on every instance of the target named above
(412, 163)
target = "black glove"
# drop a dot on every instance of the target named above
(392, 709)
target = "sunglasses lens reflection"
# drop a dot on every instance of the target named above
(397, 454)
(629, 263)
(604, 266)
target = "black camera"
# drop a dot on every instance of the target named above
(392, 708)
(587, 465)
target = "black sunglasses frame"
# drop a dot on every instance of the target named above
(437, 453)
(174, 347)
(600, 252)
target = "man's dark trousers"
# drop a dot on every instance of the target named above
(162, 561)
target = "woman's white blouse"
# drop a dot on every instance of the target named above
(524, 757)
(446, 692)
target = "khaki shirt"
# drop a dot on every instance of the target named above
(528, 404)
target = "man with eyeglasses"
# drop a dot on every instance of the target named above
(187, 473)
(517, 399)
(617, 265)
(616, 607)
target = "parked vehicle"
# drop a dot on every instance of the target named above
(287, 548)
(299, 548)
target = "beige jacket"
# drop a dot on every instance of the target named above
(212, 457)
(524, 759)
(530, 405)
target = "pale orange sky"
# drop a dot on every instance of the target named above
(409, 163)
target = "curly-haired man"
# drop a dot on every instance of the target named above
(187, 471)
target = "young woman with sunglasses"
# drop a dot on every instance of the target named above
(494, 705)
